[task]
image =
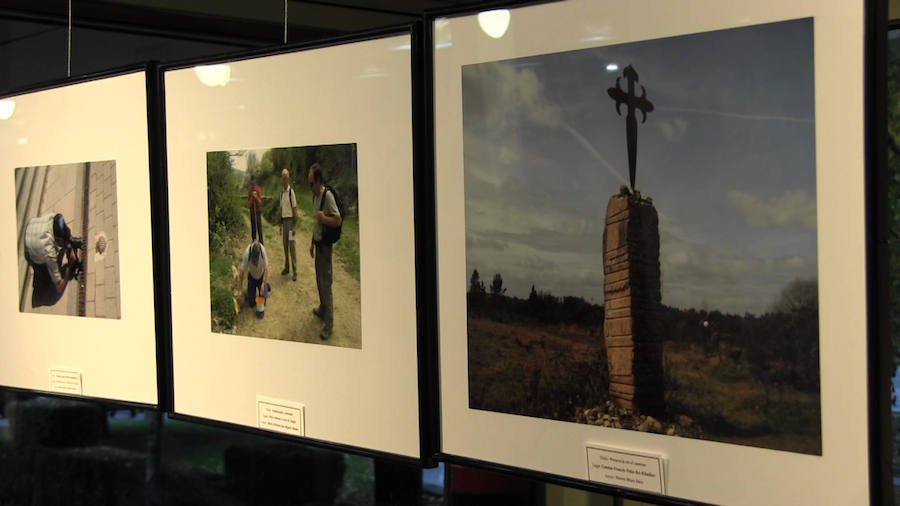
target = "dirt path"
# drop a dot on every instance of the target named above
(289, 313)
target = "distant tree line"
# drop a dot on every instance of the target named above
(539, 307)
(780, 347)
(338, 163)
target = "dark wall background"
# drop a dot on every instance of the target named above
(112, 33)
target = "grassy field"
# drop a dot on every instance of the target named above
(557, 371)
(731, 406)
(533, 370)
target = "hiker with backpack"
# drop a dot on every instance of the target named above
(326, 231)
(289, 215)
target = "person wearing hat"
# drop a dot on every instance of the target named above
(256, 264)
(45, 237)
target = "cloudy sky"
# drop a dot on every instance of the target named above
(728, 157)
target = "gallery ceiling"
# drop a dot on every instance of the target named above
(243, 22)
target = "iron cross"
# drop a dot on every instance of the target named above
(633, 102)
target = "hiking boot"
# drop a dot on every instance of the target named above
(295, 276)
(318, 313)
(325, 334)
(285, 271)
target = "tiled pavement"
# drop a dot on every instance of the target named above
(102, 283)
(61, 189)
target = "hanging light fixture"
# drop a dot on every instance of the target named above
(7, 108)
(494, 23)
(213, 75)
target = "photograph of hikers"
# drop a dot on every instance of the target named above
(641, 236)
(284, 244)
(67, 238)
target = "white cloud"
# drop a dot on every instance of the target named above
(512, 92)
(726, 114)
(797, 262)
(678, 258)
(513, 97)
(728, 280)
(792, 208)
(674, 129)
(508, 154)
(525, 92)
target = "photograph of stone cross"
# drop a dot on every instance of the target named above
(631, 326)
(67, 239)
(675, 296)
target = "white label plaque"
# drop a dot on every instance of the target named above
(280, 416)
(626, 468)
(66, 381)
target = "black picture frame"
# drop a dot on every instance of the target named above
(129, 375)
(417, 269)
(871, 336)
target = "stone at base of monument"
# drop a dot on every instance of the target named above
(632, 327)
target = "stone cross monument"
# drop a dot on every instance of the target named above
(632, 325)
(633, 103)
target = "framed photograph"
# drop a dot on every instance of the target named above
(234, 308)
(651, 245)
(77, 181)
(293, 259)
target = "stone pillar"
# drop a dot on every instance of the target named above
(632, 326)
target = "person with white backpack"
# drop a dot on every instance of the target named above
(289, 215)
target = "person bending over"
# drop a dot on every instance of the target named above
(255, 264)
(48, 242)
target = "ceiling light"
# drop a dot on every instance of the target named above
(7, 108)
(213, 75)
(494, 23)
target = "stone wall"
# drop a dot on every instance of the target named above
(632, 327)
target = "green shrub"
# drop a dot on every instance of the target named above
(224, 198)
(220, 296)
(271, 207)
(222, 307)
(347, 249)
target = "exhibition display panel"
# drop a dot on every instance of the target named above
(277, 325)
(651, 246)
(80, 317)
(642, 262)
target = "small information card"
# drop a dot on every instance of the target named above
(67, 381)
(280, 416)
(626, 468)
